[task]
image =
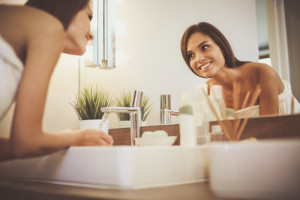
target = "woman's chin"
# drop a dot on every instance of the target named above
(204, 75)
(79, 51)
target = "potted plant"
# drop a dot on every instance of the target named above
(87, 105)
(124, 100)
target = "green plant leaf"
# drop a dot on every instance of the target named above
(89, 101)
(124, 100)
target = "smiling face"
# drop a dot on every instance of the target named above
(78, 32)
(205, 56)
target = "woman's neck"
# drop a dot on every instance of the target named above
(226, 77)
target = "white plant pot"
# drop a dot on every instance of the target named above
(94, 123)
(126, 124)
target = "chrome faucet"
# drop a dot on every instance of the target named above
(165, 109)
(135, 114)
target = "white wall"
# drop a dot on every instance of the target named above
(151, 45)
(64, 83)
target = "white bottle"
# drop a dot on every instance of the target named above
(201, 114)
(217, 133)
(186, 120)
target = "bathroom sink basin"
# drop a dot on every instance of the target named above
(266, 169)
(122, 167)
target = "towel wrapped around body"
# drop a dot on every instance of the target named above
(288, 104)
(11, 69)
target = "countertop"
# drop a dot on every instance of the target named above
(285, 126)
(16, 189)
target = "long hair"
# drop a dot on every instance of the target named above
(64, 10)
(203, 27)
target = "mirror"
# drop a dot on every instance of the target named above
(148, 35)
(148, 56)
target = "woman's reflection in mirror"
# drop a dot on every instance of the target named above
(208, 54)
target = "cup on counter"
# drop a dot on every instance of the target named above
(94, 123)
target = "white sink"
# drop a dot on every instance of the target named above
(122, 167)
(267, 169)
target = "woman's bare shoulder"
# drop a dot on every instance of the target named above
(257, 66)
(267, 76)
(21, 26)
(263, 69)
(27, 19)
(256, 69)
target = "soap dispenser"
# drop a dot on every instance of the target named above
(186, 120)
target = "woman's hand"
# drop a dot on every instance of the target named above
(41, 143)
(94, 137)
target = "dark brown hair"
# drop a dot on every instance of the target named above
(203, 27)
(64, 10)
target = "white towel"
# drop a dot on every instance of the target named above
(288, 104)
(11, 69)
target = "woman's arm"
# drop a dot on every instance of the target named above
(5, 151)
(269, 82)
(44, 43)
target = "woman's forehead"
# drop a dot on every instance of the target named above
(198, 37)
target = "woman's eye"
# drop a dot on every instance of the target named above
(204, 47)
(90, 17)
(190, 56)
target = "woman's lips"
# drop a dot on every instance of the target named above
(204, 66)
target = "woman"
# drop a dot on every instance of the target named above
(208, 54)
(32, 38)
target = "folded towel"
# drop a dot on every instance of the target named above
(11, 69)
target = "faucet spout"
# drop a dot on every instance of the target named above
(135, 115)
(165, 109)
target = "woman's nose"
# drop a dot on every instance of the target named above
(90, 35)
(200, 57)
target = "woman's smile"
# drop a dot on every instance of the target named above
(205, 66)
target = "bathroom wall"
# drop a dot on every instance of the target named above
(148, 38)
